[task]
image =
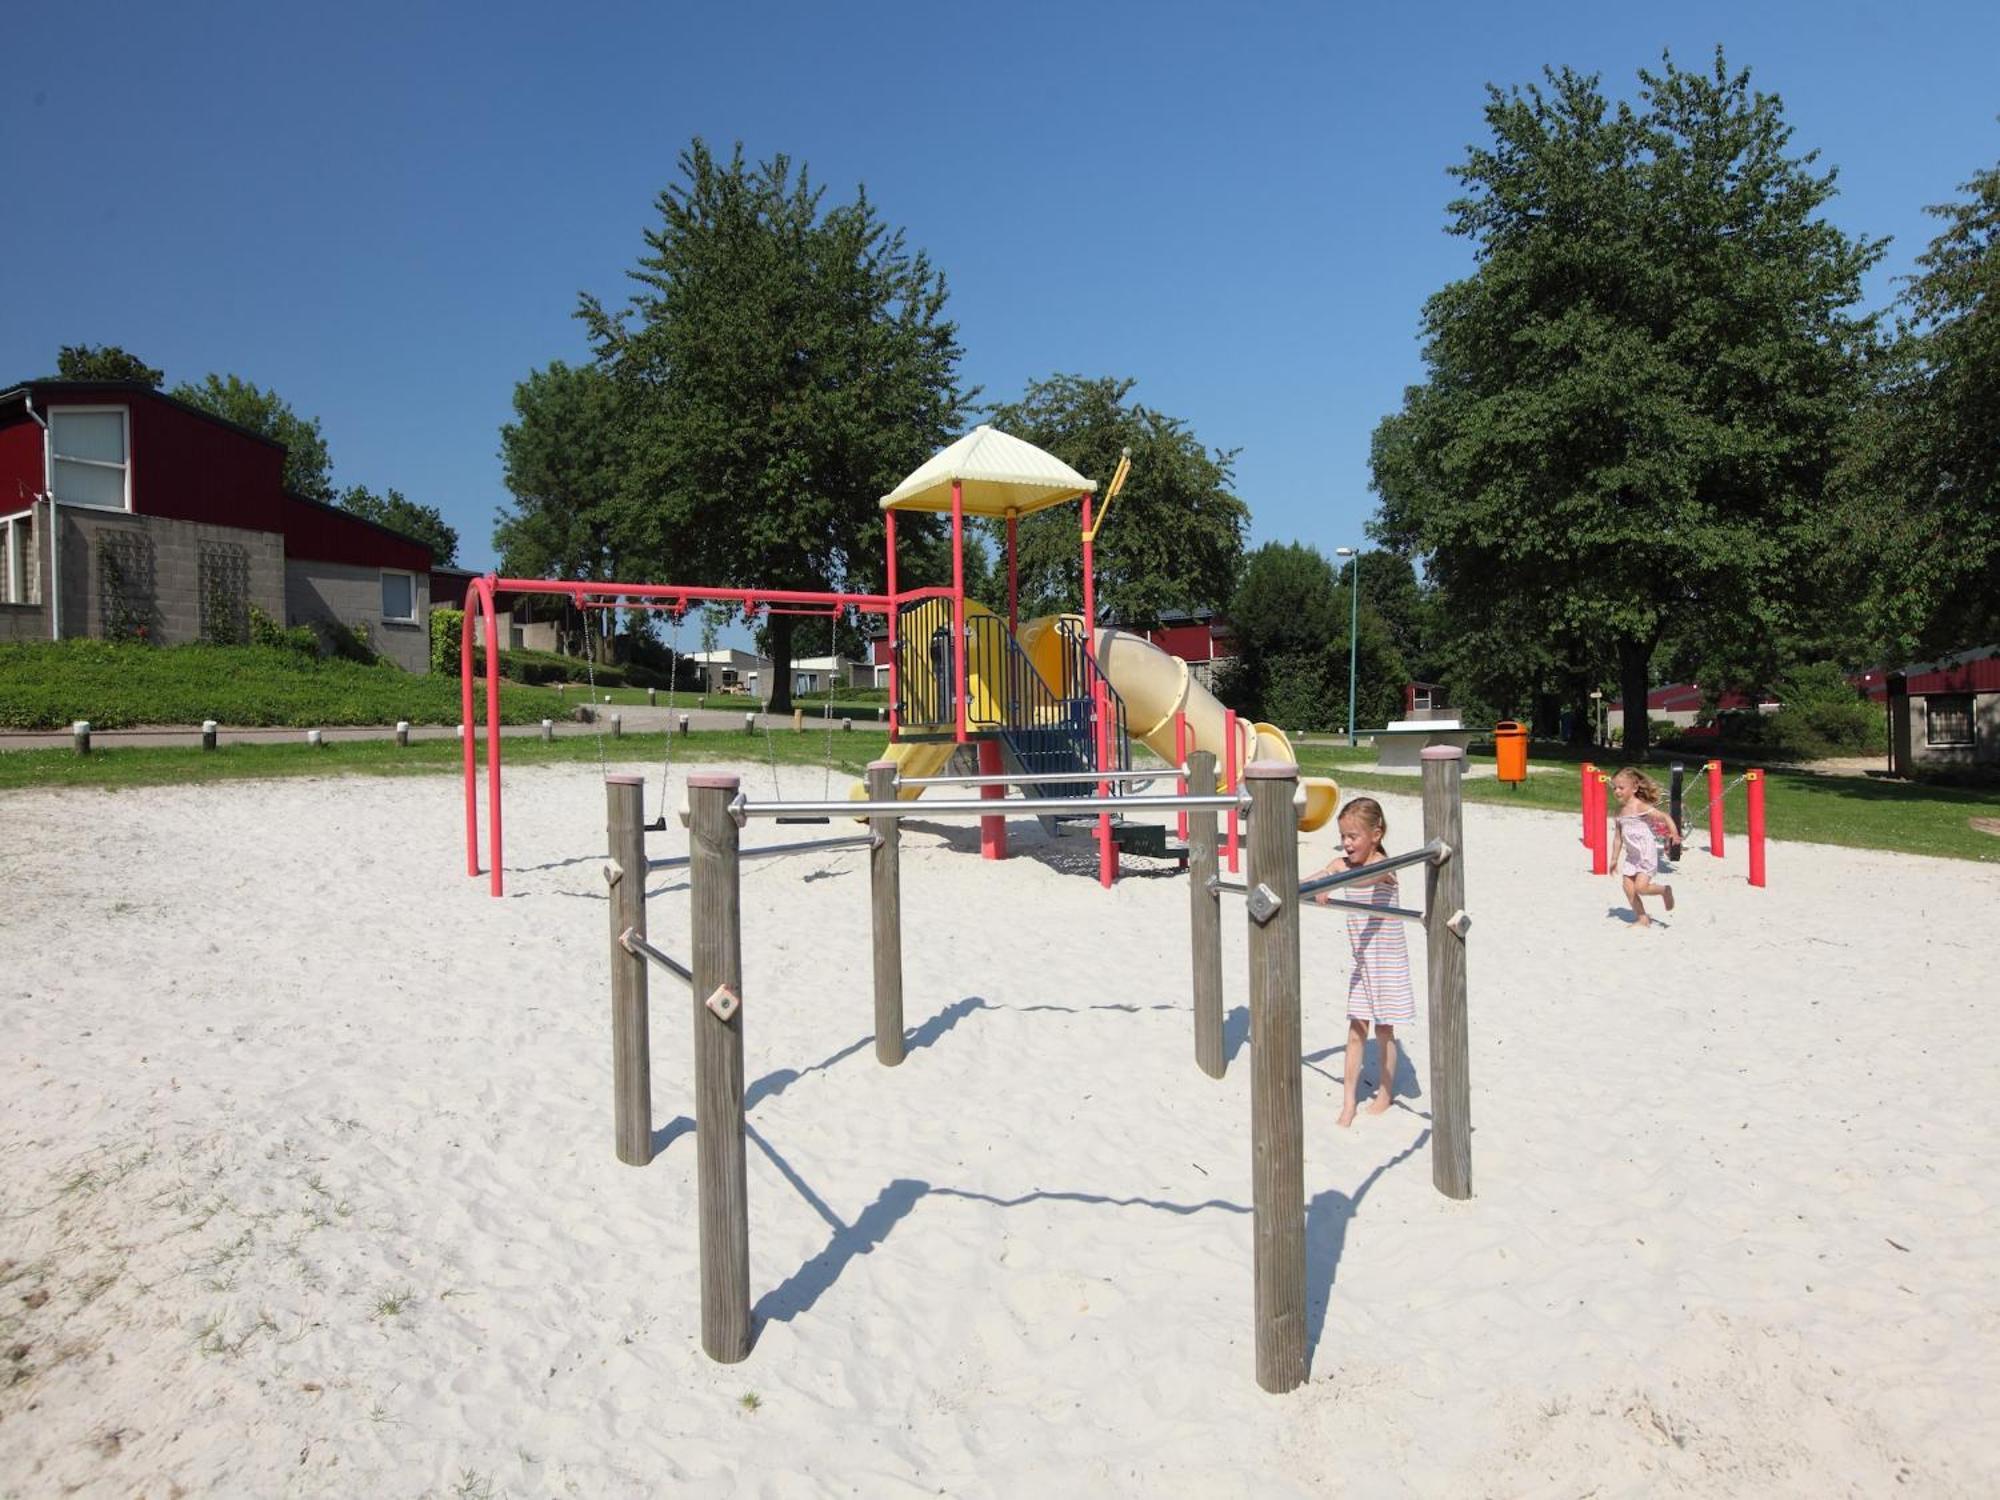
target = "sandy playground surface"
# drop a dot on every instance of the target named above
(307, 1184)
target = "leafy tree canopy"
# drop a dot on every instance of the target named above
(565, 461)
(1633, 404)
(308, 465)
(105, 362)
(1291, 618)
(399, 513)
(1174, 538)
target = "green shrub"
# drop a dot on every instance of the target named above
(265, 631)
(1820, 715)
(446, 623)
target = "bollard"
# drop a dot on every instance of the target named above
(1205, 921)
(1753, 786)
(798, 721)
(548, 729)
(617, 726)
(1675, 810)
(80, 736)
(314, 739)
(1277, 1124)
(208, 734)
(885, 906)
(652, 697)
(1600, 831)
(1715, 808)
(1587, 771)
(846, 726)
(882, 713)
(631, 1050)
(1445, 925)
(684, 723)
(561, 689)
(716, 918)
(403, 733)
(749, 723)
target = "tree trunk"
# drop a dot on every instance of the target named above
(781, 662)
(1635, 660)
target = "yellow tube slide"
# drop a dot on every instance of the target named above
(1155, 685)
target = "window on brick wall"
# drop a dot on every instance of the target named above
(1948, 719)
(17, 534)
(399, 596)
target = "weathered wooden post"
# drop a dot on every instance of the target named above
(617, 726)
(208, 734)
(716, 917)
(403, 733)
(631, 1052)
(684, 723)
(1445, 924)
(749, 723)
(885, 897)
(80, 736)
(1205, 919)
(1277, 1122)
(798, 721)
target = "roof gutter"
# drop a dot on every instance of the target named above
(55, 525)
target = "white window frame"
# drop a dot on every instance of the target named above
(411, 617)
(14, 544)
(125, 438)
(1931, 741)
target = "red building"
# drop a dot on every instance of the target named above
(125, 512)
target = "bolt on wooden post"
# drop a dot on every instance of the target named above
(1445, 926)
(1205, 919)
(631, 1054)
(885, 900)
(1277, 1118)
(716, 917)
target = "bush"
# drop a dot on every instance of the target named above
(265, 631)
(446, 623)
(1820, 715)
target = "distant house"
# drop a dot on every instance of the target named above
(731, 671)
(1681, 704)
(125, 513)
(1945, 714)
(817, 674)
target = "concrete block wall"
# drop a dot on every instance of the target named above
(122, 573)
(321, 593)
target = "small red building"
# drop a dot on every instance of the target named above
(127, 513)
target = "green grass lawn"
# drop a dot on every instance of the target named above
(51, 684)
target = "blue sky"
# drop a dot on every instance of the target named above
(386, 213)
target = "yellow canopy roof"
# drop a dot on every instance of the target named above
(997, 474)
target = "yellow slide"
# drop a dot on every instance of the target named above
(912, 758)
(1155, 685)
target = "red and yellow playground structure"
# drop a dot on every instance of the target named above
(1046, 700)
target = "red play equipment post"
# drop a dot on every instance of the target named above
(1107, 851)
(1229, 769)
(1753, 782)
(1600, 840)
(1013, 574)
(958, 603)
(993, 830)
(1589, 771)
(1715, 808)
(894, 696)
(1180, 760)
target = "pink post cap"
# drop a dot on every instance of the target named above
(720, 781)
(881, 765)
(624, 778)
(1271, 770)
(1442, 752)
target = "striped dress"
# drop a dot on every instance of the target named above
(1378, 989)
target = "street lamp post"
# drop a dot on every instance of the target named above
(1353, 633)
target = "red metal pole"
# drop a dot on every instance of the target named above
(1180, 759)
(1589, 771)
(958, 602)
(1600, 837)
(1013, 573)
(1753, 782)
(894, 724)
(1230, 755)
(492, 733)
(993, 830)
(1107, 852)
(1715, 808)
(465, 638)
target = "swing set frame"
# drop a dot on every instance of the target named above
(481, 614)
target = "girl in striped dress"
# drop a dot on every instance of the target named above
(1378, 988)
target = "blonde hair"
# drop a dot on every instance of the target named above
(1369, 811)
(1647, 788)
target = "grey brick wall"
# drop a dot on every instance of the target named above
(319, 593)
(178, 581)
(23, 622)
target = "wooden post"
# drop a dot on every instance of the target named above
(1277, 1127)
(80, 736)
(716, 917)
(885, 898)
(1445, 924)
(684, 723)
(1205, 920)
(403, 738)
(208, 734)
(617, 726)
(798, 721)
(548, 729)
(750, 723)
(631, 1053)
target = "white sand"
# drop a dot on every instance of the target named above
(309, 1187)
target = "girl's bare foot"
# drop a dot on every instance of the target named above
(1642, 921)
(1667, 896)
(1380, 1103)
(1346, 1116)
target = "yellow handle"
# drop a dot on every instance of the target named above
(1111, 493)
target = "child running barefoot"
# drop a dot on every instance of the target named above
(1638, 848)
(1378, 988)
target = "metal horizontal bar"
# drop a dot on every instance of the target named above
(631, 942)
(986, 807)
(1410, 913)
(610, 589)
(1038, 778)
(756, 851)
(1437, 851)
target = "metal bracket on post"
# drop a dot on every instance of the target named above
(724, 1003)
(1440, 851)
(613, 874)
(737, 813)
(1459, 922)
(1264, 904)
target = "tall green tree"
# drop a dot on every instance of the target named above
(1291, 616)
(1633, 405)
(308, 465)
(1921, 496)
(105, 362)
(783, 364)
(565, 460)
(395, 510)
(1174, 538)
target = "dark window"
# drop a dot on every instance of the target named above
(1948, 720)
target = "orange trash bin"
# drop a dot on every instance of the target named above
(1510, 751)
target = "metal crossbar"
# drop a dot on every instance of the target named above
(804, 846)
(986, 807)
(1041, 778)
(1436, 852)
(631, 942)
(1238, 888)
